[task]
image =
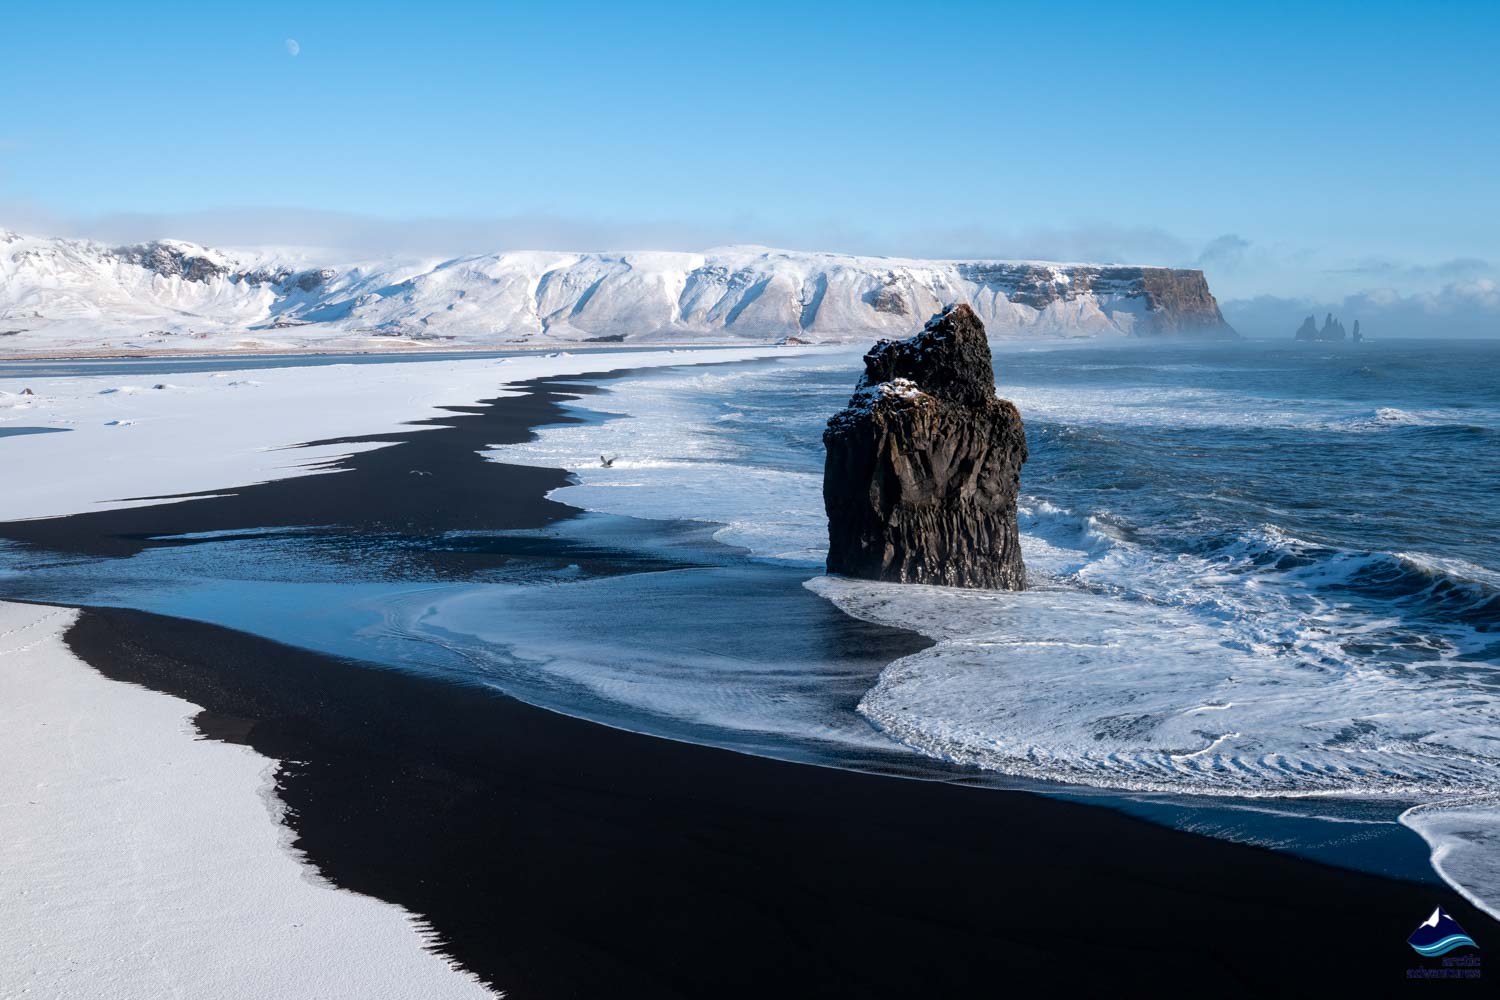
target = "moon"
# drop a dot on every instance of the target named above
(292, 48)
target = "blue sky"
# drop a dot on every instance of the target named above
(1298, 150)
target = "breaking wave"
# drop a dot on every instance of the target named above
(1262, 665)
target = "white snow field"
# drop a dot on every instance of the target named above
(127, 439)
(59, 295)
(141, 861)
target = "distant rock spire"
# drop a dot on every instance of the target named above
(1332, 329)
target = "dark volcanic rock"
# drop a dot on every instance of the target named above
(949, 359)
(1332, 330)
(172, 261)
(286, 279)
(889, 298)
(924, 465)
(311, 280)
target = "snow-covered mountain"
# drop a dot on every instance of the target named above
(74, 295)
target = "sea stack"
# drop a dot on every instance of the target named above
(924, 465)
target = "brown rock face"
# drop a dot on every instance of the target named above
(924, 466)
(1177, 301)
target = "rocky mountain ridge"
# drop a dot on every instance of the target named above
(70, 291)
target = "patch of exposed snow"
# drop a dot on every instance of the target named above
(142, 861)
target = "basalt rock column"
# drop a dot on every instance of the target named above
(924, 465)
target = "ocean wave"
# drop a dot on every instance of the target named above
(1101, 549)
(1258, 664)
(1184, 407)
(1384, 416)
(1390, 417)
(1418, 585)
(1230, 661)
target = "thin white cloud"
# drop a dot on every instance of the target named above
(449, 236)
(1094, 243)
(1384, 269)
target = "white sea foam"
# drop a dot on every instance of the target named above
(1061, 683)
(1465, 839)
(1219, 674)
(1197, 407)
(680, 452)
(665, 645)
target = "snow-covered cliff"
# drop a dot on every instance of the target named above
(61, 295)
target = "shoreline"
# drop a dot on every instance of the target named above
(124, 829)
(555, 856)
(217, 425)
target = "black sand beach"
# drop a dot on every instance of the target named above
(427, 481)
(555, 857)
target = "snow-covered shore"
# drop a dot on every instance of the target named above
(143, 861)
(160, 435)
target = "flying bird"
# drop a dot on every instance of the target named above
(608, 463)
